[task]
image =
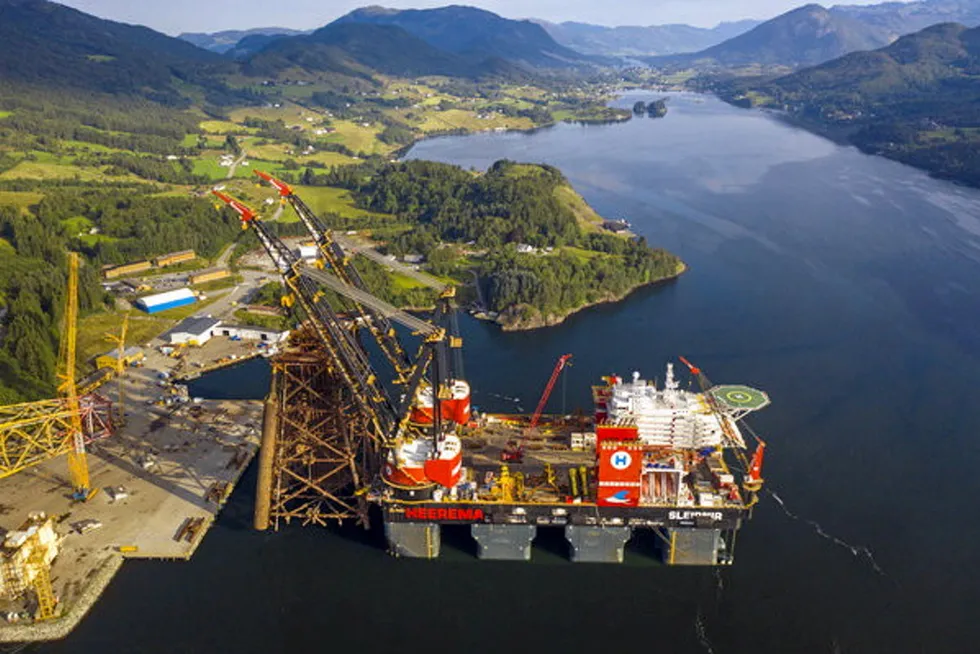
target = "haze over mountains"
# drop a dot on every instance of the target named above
(633, 40)
(804, 36)
(222, 42)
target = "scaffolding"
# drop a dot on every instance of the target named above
(319, 442)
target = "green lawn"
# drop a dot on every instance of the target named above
(208, 165)
(323, 199)
(189, 141)
(4, 114)
(77, 225)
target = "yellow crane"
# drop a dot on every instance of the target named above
(120, 341)
(34, 432)
(77, 462)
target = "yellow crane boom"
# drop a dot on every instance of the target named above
(77, 463)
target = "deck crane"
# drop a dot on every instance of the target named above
(753, 468)
(515, 451)
(392, 427)
(339, 262)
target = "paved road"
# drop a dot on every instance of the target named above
(231, 169)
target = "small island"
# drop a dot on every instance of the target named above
(524, 247)
(657, 108)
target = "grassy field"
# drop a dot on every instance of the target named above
(92, 332)
(77, 225)
(208, 165)
(224, 127)
(48, 171)
(332, 200)
(359, 138)
(462, 119)
(402, 282)
(218, 284)
(20, 199)
(4, 114)
(587, 217)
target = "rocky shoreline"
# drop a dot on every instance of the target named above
(511, 319)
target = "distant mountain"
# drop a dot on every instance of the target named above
(632, 41)
(47, 44)
(222, 42)
(917, 100)
(475, 34)
(804, 36)
(359, 49)
(253, 43)
(898, 18)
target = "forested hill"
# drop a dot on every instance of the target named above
(917, 100)
(475, 34)
(47, 44)
(533, 241)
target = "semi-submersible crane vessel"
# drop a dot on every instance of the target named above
(650, 457)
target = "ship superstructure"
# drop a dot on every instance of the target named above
(660, 458)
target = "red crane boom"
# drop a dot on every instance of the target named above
(562, 362)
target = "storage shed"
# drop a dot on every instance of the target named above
(168, 300)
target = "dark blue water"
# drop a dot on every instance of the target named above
(843, 284)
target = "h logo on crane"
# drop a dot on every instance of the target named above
(620, 460)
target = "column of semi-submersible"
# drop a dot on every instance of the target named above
(267, 456)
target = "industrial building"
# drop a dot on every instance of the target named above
(169, 300)
(113, 272)
(209, 275)
(110, 359)
(306, 251)
(251, 333)
(174, 258)
(193, 331)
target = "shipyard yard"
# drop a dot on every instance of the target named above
(161, 480)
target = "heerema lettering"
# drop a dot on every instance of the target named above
(436, 515)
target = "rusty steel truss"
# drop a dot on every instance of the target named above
(323, 453)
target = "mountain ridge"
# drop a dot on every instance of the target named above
(638, 40)
(474, 33)
(804, 36)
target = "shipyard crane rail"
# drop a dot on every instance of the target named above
(335, 257)
(346, 356)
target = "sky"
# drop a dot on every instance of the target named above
(175, 16)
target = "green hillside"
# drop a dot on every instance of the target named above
(916, 101)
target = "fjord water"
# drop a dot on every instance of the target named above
(845, 285)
